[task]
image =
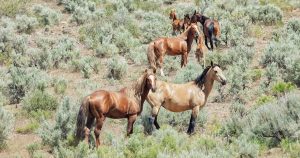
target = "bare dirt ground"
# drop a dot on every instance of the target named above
(17, 143)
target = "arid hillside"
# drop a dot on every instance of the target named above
(53, 53)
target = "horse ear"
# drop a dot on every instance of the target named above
(195, 12)
(211, 63)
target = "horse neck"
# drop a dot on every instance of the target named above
(204, 19)
(185, 34)
(208, 84)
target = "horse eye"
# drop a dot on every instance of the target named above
(216, 71)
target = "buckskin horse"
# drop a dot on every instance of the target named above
(179, 25)
(211, 29)
(127, 103)
(179, 45)
(188, 96)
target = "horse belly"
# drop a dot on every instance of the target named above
(116, 114)
(174, 48)
(175, 107)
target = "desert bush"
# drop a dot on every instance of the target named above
(86, 66)
(188, 73)
(24, 80)
(271, 122)
(26, 24)
(106, 50)
(117, 67)
(6, 126)
(13, 7)
(70, 5)
(39, 100)
(81, 15)
(138, 55)
(293, 25)
(268, 14)
(55, 134)
(46, 15)
(32, 149)
(52, 53)
(124, 41)
(154, 25)
(60, 86)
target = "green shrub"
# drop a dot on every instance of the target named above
(264, 99)
(293, 25)
(39, 100)
(268, 14)
(282, 87)
(106, 50)
(46, 15)
(26, 24)
(117, 67)
(24, 80)
(12, 7)
(6, 126)
(32, 148)
(270, 123)
(29, 128)
(71, 5)
(60, 86)
(55, 134)
(290, 147)
(188, 73)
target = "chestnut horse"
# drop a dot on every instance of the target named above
(211, 29)
(180, 45)
(179, 25)
(200, 50)
(188, 96)
(127, 103)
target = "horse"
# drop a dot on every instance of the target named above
(126, 103)
(200, 50)
(180, 45)
(188, 96)
(179, 25)
(211, 29)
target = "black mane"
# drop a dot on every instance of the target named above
(199, 81)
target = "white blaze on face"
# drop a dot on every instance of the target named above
(152, 80)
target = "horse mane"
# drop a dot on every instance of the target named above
(200, 80)
(140, 85)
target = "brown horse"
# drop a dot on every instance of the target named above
(200, 50)
(188, 96)
(180, 45)
(127, 103)
(179, 25)
(211, 29)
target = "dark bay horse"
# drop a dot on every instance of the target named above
(127, 103)
(179, 45)
(188, 96)
(179, 25)
(211, 29)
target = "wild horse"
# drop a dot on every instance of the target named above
(211, 29)
(127, 103)
(179, 45)
(188, 96)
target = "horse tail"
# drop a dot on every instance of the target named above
(81, 118)
(151, 56)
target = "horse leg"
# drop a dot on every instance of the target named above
(160, 65)
(194, 115)
(99, 123)
(205, 38)
(211, 43)
(153, 118)
(185, 58)
(131, 120)
(88, 127)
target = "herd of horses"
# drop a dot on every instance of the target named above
(128, 102)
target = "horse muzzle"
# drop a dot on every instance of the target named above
(223, 82)
(153, 89)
